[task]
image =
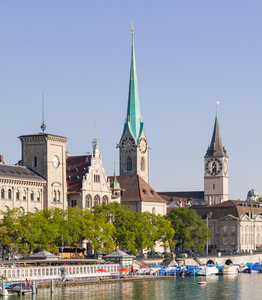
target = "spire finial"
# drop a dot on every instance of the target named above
(217, 107)
(43, 127)
(132, 29)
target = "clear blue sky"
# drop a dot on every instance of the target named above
(189, 55)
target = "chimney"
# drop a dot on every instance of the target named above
(2, 159)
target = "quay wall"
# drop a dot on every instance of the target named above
(220, 260)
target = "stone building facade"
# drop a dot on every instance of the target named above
(235, 225)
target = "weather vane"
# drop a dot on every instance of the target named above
(132, 30)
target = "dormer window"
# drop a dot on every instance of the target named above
(77, 177)
(152, 192)
(144, 191)
(84, 170)
(76, 170)
(68, 171)
(69, 178)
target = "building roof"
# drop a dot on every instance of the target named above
(230, 207)
(136, 189)
(76, 168)
(216, 147)
(19, 172)
(133, 118)
(118, 254)
(190, 195)
(43, 135)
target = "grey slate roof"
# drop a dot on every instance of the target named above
(43, 255)
(18, 172)
(216, 147)
(118, 253)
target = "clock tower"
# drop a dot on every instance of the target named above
(133, 145)
(46, 154)
(216, 172)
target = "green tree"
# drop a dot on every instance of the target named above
(190, 230)
(10, 230)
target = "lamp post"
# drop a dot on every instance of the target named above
(208, 216)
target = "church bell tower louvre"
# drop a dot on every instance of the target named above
(133, 145)
(216, 169)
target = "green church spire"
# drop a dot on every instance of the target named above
(133, 117)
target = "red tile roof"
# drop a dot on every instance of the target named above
(76, 168)
(136, 189)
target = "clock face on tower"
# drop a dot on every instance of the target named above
(128, 145)
(55, 161)
(143, 145)
(213, 166)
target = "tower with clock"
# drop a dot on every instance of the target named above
(216, 173)
(133, 145)
(46, 154)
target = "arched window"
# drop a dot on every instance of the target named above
(96, 200)
(88, 201)
(38, 196)
(58, 196)
(17, 195)
(105, 200)
(24, 194)
(54, 196)
(35, 210)
(32, 196)
(154, 210)
(129, 164)
(142, 164)
(2, 194)
(9, 194)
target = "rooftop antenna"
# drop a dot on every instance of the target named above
(43, 127)
(95, 139)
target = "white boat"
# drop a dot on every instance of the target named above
(230, 270)
(207, 271)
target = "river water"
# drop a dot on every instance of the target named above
(242, 286)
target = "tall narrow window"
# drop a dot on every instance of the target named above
(58, 196)
(142, 164)
(17, 195)
(35, 162)
(88, 201)
(9, 194)
(24, 194)
(96, 200)
(214, 186)
(32, 196)
(38, 196)
(2, 194)
(129, 164)
(54, 196)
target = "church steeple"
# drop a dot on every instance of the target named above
(216, 147)
(133, 146)
(133, 117)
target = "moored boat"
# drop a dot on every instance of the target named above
(208, 270)
(230, 270)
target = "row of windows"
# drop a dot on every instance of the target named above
(20, 196)
(21, 210)
(129, 163)
(96, 201)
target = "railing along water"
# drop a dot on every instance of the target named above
(57, 272)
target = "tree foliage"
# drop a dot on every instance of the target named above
(190, 230)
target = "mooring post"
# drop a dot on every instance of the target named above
(34, 287)
(3, 288)
(52, 286)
